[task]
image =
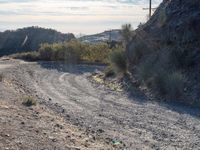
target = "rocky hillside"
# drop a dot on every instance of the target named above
(167, 43)
(28, 39)
(175, 24)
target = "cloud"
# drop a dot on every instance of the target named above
(15, 1)
(65, 14)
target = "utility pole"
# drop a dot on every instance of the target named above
(150, 8)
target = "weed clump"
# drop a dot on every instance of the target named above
(1, 77)
(118, 61)
(169, 84)
(109, 72)
(29, 101)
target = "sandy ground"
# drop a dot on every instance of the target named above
(106, 119)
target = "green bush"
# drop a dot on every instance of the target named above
(75, 51)
(96, 52)
(118, 60)
(47, 52)
(71, 52)
(164, 82)
(169, 84)
(29, 101)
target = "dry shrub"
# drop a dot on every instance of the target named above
(174, 84)
(29, 101)
(109, 72)
(118, 61)
(75, 51)
(1, 77)
(166, 83)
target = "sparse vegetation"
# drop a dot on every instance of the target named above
(145, 71)
(72, 52)
(96, 52)
(117, 57)
(29, 101)
(109, 72)
(166, 83)
(127, 32)
(118, 61)
(1, 77)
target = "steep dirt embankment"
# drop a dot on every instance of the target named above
(170, 40)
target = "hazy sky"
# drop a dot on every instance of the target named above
(76, 16)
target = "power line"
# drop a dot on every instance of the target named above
(150, 8)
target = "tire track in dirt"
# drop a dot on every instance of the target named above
(139, 125)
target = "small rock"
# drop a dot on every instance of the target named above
(59, 126)
(94, 138)
(54, 140)
(67, 116)
(100, 131)
(73, 141)
(185, 89)
(92, 131)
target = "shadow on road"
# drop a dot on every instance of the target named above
(70, 68)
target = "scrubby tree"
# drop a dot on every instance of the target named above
(126, 33)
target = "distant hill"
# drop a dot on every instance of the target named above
(102, 37)
(29, 39)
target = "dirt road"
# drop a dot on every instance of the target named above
(128, 122)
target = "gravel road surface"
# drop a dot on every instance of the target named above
(132, 122)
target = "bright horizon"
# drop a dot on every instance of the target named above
(73, 16)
